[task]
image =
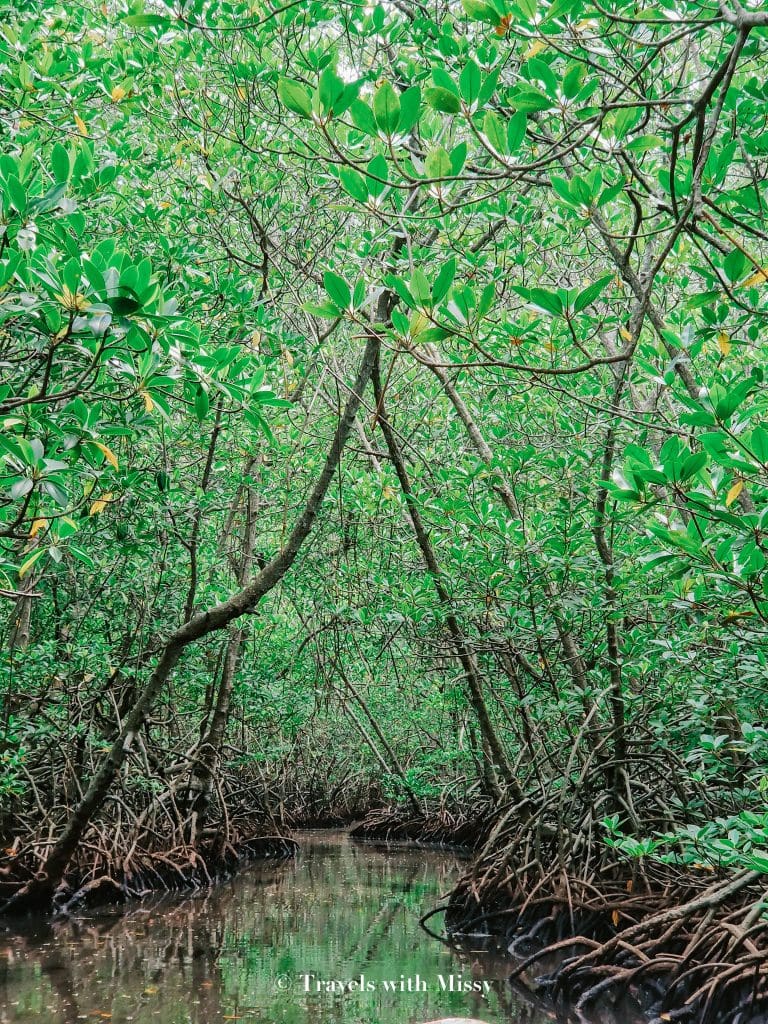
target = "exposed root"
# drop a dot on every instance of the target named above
(683, 943)
(682, 946)
(443, 827)
(98, 881)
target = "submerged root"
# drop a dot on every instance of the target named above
(682, 948)
(589, 926)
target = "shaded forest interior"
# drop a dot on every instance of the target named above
(384, 439)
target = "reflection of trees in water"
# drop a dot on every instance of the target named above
(341, 909)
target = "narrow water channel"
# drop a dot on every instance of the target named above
(333, 937)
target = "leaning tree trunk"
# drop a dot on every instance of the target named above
(39, 891)
(495, 759)
(208, 750)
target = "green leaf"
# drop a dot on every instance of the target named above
(81, 555)
(758, 444)
(441, 99)
(410, 108)
(17, 193)
(402, 289)
(733, 398)
(493, 129)
(8, 268)
(377, 168)
(60, 163)
(338, 289)
(295, 97)
(645, 143)
(588, 295)
(362, 115)
(386, 109)
(443, 281)
(572, 80)
(330, 90)
(470, 81)
(354, 183)
(692, 465)
(202, 403)
(438, 164)
(325, 310)
(458, 157)
(550, 302)
(420, 288)
(477, 10)
(488, 87)
(55, 491)
(563, 188)
(347, 98)
(530, 100)
(147, 21)
(516, 129)
(734, 264)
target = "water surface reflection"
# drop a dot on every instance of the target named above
(330, 939)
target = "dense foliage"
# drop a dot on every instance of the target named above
(383, 421)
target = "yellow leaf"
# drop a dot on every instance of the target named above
(288, 357)
(630, 885)
(75, 302)
(24, 569)
(82, 127)
(615, 918)
(37, 526)
(418, 324)
(241, 93)
(149, 405)
(665, 1016)
(734, 492)
(387, 492)
(626, 335)
(758, 278)
(108, 454)
(733, 616)
(117, 94)
(534, 49)
(101, 503)
(724, 343)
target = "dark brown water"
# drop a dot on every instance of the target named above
(333, 938)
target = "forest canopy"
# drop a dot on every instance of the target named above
(383, 429)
